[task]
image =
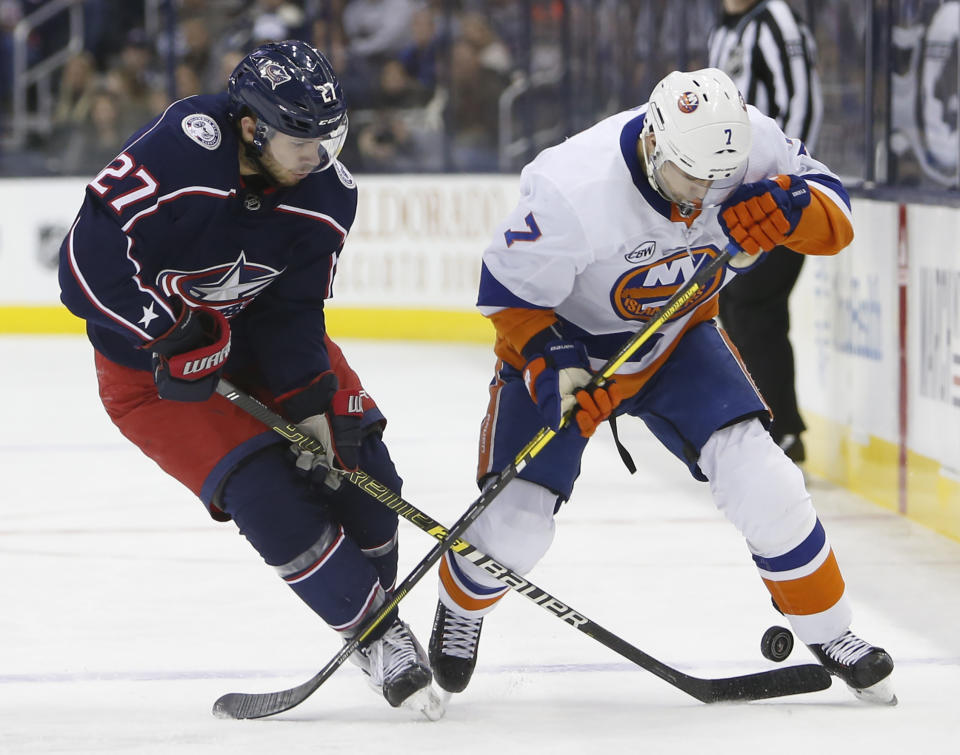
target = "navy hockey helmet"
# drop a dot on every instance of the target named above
(291, 89)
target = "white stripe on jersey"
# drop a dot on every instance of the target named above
(88, 290)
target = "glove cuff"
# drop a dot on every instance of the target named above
(192, 328)
(538, 341)
(313, 398)
(350, 402)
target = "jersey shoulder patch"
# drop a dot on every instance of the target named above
(202, 129)
(346, 178)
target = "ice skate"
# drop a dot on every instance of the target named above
(453, 648)
(396, 665)
(865, 669)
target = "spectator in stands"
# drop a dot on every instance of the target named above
(422, 55)
(198, 53)
(188, 81)
(397, 143)
(356, 74)
(473, 109)
(10, 14)
(398, 89)
(401, 137)
(229, 60)
(97, 140)
(494, 53)
(284, 19)
(133, 77)
(75, 93)
(378, 29)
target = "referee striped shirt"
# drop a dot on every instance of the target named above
(771, 56)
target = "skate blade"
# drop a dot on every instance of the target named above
(880, 693)
(427, 702)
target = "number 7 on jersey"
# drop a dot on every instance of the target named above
(530, 235)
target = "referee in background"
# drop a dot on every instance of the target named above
(770, 54)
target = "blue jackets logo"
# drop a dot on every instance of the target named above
(229, 288)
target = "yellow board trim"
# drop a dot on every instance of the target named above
(868, 467)
(343, 322)
(865, 465)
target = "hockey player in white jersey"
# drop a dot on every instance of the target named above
(609, 225)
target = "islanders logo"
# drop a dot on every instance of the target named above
(688, 102)
(640, 292)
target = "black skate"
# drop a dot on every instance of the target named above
(397, 666)
(453, 648)
(865, 669)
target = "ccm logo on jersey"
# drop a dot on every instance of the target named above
(640, 292)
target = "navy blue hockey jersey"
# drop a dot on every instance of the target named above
(171, 216)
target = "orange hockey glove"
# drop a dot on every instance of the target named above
(760, 216)
(556, 380)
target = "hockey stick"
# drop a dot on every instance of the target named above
(257, 705)
(780, 682)
(253, 705)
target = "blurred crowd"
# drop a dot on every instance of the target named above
(431, 84)
(422, 78)
(473, 85)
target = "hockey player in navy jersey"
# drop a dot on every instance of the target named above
(609, 225)
(208, 247)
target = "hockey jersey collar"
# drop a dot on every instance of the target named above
(629, 135)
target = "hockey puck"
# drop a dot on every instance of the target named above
(776, 644)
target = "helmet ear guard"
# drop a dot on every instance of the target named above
(700, 124)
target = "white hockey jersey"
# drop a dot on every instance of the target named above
(591, 244)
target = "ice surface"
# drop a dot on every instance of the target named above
(125, 611)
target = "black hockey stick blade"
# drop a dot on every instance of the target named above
(246, 705)
(780, 682)
(260, 704)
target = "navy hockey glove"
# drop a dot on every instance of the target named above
(555, 380)
(188, 358)
(333, 416)
(760, 216)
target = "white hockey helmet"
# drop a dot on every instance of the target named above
(700, 123)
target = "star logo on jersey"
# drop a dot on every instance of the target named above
(273, 72)
(229, 287)
(148, 316)
(640, 292)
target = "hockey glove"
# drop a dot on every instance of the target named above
(334, 417)
(188, 358)
(760, 216)
(556, 380)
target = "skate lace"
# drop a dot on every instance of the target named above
(399, 652)
(460, 635)
(847, 648)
